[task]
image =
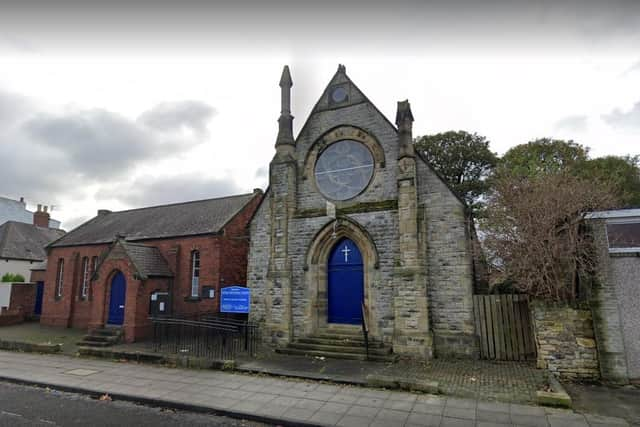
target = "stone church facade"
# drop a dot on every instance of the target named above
(351, 189)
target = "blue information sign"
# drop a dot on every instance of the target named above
(235, 299)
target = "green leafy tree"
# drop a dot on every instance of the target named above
(546, 156)
(10, 277)
(463, 159)
(622, 173)
(542, 157)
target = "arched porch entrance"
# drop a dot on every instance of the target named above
(337, 288)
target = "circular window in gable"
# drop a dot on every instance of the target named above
(344, 169)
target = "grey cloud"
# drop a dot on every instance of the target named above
(405, 25)
(46, 155)
(75, 221)
(572, 123)
(34, 172)
(175, 116)
(624, 120)
(13, 107)
(102, 144)
(633, 69)
(98, 143)
(17, 43)
(150, 191)
(262, 172)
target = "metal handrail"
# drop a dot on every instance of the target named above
(365, 328)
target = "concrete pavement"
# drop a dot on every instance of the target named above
(277, 400)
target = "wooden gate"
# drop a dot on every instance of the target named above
(503, 326)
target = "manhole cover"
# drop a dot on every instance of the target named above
(81, 372)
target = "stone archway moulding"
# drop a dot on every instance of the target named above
(316, 274)
(324, 240)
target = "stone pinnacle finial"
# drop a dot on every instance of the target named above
(285, 79)
(404, 121)
(342, 69)
(285, 131)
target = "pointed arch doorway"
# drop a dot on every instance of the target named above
(345, 283)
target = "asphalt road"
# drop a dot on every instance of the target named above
(34, 406)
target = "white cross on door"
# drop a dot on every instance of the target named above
(346, 251)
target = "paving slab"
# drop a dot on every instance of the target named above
(279, 400)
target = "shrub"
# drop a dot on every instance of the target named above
(10, 277)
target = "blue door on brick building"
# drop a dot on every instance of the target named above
(37, 310)
(345, 284)
(116, 301)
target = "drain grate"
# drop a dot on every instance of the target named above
(81, 372)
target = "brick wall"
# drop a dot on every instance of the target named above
(11, 317)
(235, 245)
(177, 252)
(23, 298)
(565, 341)
(69, 309)
(222, 257)
(38, 276)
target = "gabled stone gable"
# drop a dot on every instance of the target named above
(410, 227)
(352, 117)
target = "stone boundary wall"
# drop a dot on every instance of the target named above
(565, 341)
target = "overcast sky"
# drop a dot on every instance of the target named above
(117, 105)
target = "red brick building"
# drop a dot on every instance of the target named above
(117, 267)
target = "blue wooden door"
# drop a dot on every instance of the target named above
(116, 303)
(345, 285)
(37, 310)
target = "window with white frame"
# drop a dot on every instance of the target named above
(84, 289)
(59, 277)
(94, 265)
(195, 273)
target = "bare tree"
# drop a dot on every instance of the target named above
(534, 231)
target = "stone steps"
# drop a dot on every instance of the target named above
(104, 337)
(348, 356)
(107, 332)
(379, 351)
(344, 341)
(91, 343)
(339, 342)
(339, 335)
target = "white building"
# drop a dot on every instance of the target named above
(16, 210)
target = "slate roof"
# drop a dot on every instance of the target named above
(157, 222)
(19, 240)
(147, 259)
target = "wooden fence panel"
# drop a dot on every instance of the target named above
(503, 326)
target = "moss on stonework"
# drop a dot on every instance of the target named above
(384, 205)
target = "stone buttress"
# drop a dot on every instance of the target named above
(282, 204)
(411, 333)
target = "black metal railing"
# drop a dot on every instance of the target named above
(365, 328)
(205, 336)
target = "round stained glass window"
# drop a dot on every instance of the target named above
(344, 169)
